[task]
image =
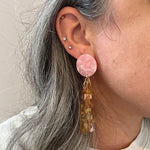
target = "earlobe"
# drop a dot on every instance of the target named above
(71, 29)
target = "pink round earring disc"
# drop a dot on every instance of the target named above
(86, 65)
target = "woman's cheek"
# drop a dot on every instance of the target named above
(121, 63)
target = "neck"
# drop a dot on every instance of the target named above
(117, 122)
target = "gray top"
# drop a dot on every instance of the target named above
(142, 141)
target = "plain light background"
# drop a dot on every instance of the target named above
(14, 94)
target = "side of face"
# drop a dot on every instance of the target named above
(122, 53)
(124, 56)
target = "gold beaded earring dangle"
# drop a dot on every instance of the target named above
(86, 66)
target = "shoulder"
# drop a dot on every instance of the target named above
(146, 125)
(7, 127)
(147, 121)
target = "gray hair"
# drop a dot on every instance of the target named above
(51, 72)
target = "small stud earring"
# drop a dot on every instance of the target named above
(64, 38)
(62, 17)
(70, 47)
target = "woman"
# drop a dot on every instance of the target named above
(116, 36)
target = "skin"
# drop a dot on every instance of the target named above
(121, 83)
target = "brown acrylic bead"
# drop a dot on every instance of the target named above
(86, 108)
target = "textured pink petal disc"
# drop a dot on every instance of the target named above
(86, 65)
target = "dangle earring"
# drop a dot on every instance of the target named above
(86, 66)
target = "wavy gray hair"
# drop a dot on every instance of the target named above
(52, 74)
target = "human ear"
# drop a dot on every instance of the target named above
(74, 32)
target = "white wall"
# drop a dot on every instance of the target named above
(13, 96)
